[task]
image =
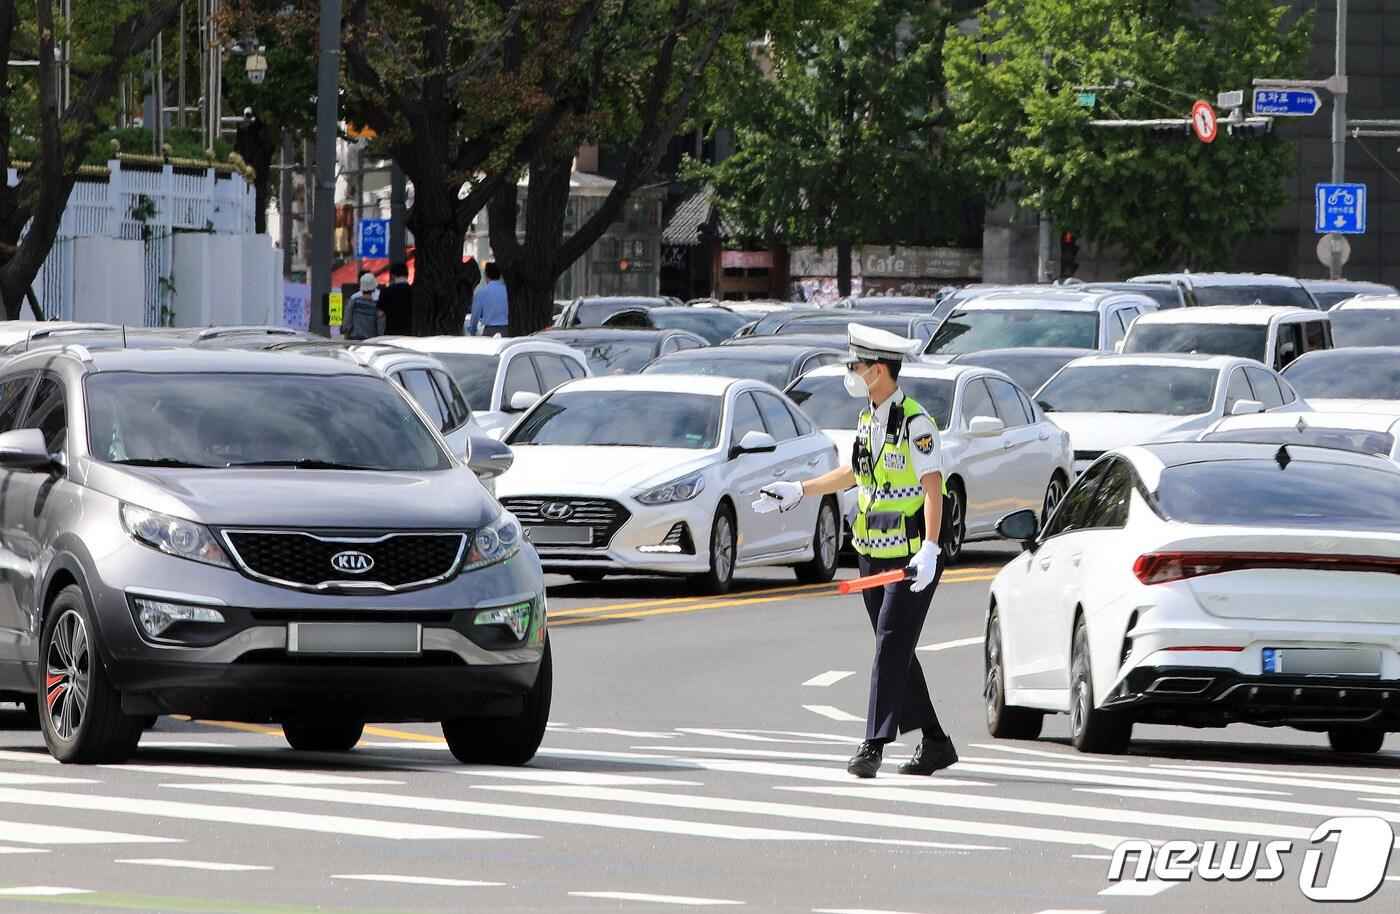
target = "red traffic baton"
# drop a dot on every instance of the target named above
(874, 580)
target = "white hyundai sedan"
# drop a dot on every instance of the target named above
(1205, 584)
(656, 474)
(1109, 401)
(1000, 453)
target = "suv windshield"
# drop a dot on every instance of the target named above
(623, 418)
(1158, 389)
(1215, 339)
(1343, 375)
(1359, 327)
(1319, 496)
(825, 401)
(1245, 294)
(474, 374)
(221, 420)
(973, 331)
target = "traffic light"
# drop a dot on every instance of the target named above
(1069, 255)
(1170, 131)
(1252, 127)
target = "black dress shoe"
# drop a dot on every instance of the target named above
(867, 760)
(930, 756)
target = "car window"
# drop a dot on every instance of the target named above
(1248, 342)
(1074, 507)
(1117, 328)
(551, 369)
(520, 375)
(574, 369)
(1101, 387)
(683, 343)
(780, 423)
(458, 410)
(425, 393)
(1290, 345)
(1008, 403)
(976, 401)
(1266, 389)
(1315, 336)
(746, 418)
(1239, 389)
(1110, 505)
(12, 391)
(1028, 407)
(47, 414)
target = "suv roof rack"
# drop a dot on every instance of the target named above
(209, 333)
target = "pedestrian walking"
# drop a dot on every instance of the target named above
(396, 301)
(898, 469)
(363, 317)
(490, 306)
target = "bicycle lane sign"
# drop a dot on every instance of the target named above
(1341, 208)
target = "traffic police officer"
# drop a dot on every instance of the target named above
(899, 471)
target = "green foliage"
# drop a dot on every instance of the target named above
(1158, 203)
(839, 123)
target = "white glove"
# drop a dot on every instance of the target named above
(925, 565)
(778, 496)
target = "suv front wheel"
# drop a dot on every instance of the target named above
(505, 740)
(80, 713)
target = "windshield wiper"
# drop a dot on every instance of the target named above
(164, 462)
(304, 463)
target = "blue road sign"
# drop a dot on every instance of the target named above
(1286, 102)
(373, 240)
(1341, 208)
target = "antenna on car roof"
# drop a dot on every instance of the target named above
(1282, 457)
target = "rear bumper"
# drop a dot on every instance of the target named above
(1215, 696)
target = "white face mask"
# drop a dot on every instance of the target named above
(857, 385)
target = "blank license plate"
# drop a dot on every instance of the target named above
(1322, 661)
(355, 638)
(545, 535)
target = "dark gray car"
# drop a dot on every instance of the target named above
(254, 536)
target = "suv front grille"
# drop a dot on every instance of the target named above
(385, 562)
(602, 516)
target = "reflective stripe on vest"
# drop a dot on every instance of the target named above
(890, 502)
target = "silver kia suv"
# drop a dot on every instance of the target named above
(254, 536)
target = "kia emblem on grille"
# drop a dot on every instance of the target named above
(557, 510)
(352, 562)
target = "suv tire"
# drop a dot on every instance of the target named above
(323, 736)
(505, 740)
(81, 718)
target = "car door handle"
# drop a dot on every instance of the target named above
(1008, 445)
(780, 471)
(1076, 559)
(1044, 436)
(814, 461)
(1045, 563)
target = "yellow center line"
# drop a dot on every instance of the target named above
(404, 735)
(232, 725)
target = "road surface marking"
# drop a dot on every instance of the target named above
(630, 734)
(834, 713)
(28, 833)
(1148, 887)
(947, 645)
(829, 678)
(855, 911)
(22, 850)
(234, 815)
(35, 891)
(1062, 911)
(1097, 777)
(1041, 753)
(196, 865)
(584, 778)
(256, 775)
(1194, 796)
(417, 880)
(657, 899)
(579, 817)
(148, 743)
(232, 725)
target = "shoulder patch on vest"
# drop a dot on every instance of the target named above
(924, 443)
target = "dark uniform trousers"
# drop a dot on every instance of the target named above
(899, 699)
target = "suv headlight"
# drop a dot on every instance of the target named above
(173, 536)
(683, 489)
(493, 543)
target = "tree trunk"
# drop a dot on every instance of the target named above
(440, 291)
(843, 267)
(530, 267)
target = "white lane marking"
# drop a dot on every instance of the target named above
(561, 816)
(657, 899)
(238, 815)
(949, 645)
(1104, 857)
(776, 736)
(1041, 753)
(798, 771)
(30, 833)
(1093, 777)
(843, 815)
(1063, 911)
(149, 743)
(195, 865)
(37, 758)
(22, 850)
(34, 891)
(584, 778)
(255, 775)
(417, 880)
(1325, 780)
(855, 911)
(1114, 774)
(829, 678)
(834, 713)
(1257, 804)
(630, 734)
(14, 779)
(1127, 817)
(1140, 889)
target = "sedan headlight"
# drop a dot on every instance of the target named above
(683, 489)
(173, 536)
(493, 543)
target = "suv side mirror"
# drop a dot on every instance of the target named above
(488, 457)
(985, 427)
(522, 400)
(1246, 408)
(755, 443)
(24, 449)
(1021, 526)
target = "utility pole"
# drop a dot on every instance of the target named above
(398, 214)
(1042, 266)
(1339, 127)
(284, 202)
(327, 118)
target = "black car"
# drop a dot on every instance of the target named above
(617, 350)
(777, 364)
(826, 323)
(594, 310)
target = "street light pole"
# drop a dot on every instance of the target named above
(1339, 128)
(327, 118)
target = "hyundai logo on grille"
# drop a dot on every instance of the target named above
(557, 510)
(352, 562)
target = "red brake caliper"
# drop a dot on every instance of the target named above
(55, 685)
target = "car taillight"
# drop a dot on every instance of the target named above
(1164, 567)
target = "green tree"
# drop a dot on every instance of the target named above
(839, 125)
(1157, 203)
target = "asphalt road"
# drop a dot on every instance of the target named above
(696, 759)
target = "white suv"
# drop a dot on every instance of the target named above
(1265, 333)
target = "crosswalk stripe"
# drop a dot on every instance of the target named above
(21, 850)
(1042, 753)
(657, 899)
(235, 815)
(1093, 777)
(31, 833)
(1145, 888)
(39, 891)
(737, 766)
(417, 880)
(195, 865)
(584, 778)
(949, 645)
(255, 775)
(834, 713)
(829, 678)
(555, 815)
(1257, 804)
